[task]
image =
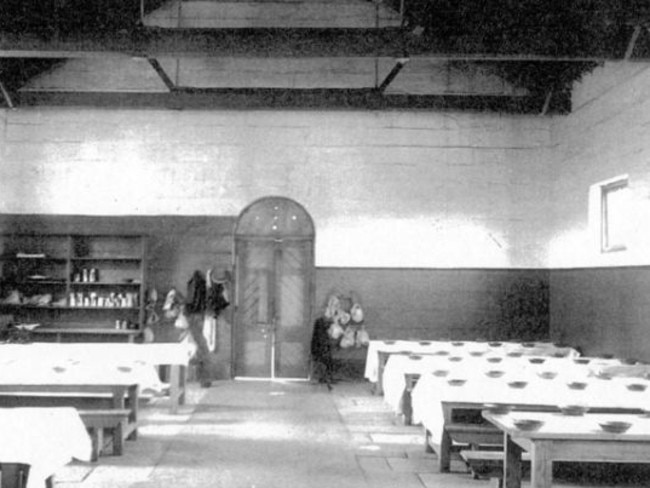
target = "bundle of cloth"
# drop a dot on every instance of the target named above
(347, 324)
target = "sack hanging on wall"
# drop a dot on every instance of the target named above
(345, 303)
(363, 339)
(181, 322)
(356, 313)
(333, 307)
(342, 318)
(335, 331)
(348, 339)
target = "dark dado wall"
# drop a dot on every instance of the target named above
(602, 310)
(398, 303)
(444, 303)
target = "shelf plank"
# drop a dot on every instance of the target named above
(107, 259)
(85, 330)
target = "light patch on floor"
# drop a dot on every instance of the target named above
(397, 438)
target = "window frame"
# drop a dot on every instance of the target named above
(607, 188)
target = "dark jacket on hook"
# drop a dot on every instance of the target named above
(196, 296)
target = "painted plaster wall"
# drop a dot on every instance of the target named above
(601, 301)
(605, 136)
(386, 189)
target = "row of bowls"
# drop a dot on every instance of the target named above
(461, 343)
(530, 425)
(573, 385)
(491, 359)
(611, 426)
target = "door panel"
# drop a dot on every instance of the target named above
(273, 327)
(254, 312)
(293, 310)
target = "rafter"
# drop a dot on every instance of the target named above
(287, 99)
(393, 74)
(272, 42)
(6, 96)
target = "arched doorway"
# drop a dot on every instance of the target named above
(274, 263)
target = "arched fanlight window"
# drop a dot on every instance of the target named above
(274, 217)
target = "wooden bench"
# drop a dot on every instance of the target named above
(111, 421)
(117, 398)
(475, 434)
(489, 464)
(459, 436)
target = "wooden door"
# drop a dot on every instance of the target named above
(274, 273)
(273, 326)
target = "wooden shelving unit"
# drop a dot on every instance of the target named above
(75, 284)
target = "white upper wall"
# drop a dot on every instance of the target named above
(606, 135)
(386, 189)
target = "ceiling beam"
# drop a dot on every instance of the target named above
(157, 43)
(284, 99)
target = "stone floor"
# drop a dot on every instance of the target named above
(242, 434)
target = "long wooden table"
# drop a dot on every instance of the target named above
(573, 439)
(137, 361)
(379, 352)
(436, 402)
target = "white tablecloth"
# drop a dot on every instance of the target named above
(90, 363)
(431, 391)
(44, 438)
(154, 354)
(465, 365)
(460, 348)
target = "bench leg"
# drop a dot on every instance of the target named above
(427, 446)
(133, 435)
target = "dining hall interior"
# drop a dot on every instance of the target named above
(453, 197)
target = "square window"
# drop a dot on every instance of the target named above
(614, 215)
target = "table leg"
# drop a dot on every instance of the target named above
(119, 397)
(444, 456)
(174, 387)
(133, 404)
(118, 440)
(541, 470)
(382, 358)
(407, 407)
(177, 383)
(182, 376)
(511, 463)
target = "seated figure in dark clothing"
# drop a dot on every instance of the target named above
(321, 352)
